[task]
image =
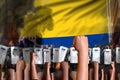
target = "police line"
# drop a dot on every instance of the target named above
(102, 55)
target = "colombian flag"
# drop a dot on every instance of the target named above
(58, 21)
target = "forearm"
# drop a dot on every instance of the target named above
(91, 74)
(12, 74)
(64, 70)
(112, 75)
(27, 72)
(40, 75)
(81, 45)
(112, 72)
(52, 76)
(20, 70)
(82, 66)
(48, 74)
(65, 74)
(2, 76)
(73, 75)
(102, 78)
(33, 71)
(96, 71)
(19, 75)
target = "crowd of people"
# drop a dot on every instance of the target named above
(62, 70)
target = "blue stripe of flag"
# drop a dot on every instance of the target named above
(98, 39)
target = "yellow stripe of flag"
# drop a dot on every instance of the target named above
(61, 18)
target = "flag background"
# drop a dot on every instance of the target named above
(58, 21)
